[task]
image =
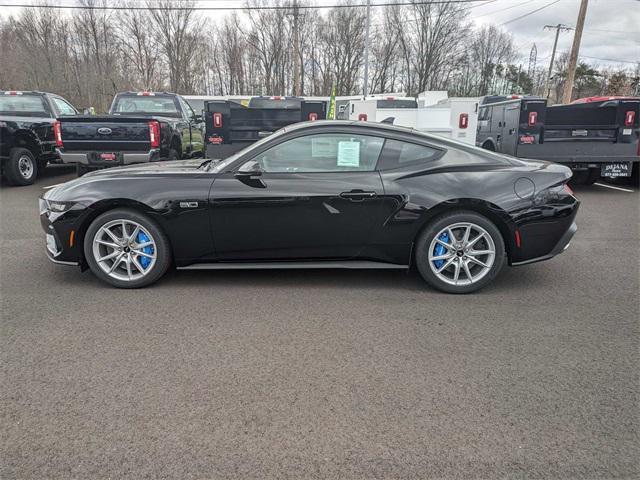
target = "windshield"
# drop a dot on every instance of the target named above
(23, 105)
(146, 105)
(222, 165)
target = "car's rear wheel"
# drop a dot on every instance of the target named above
(21, 167)
(460, 252)
(126, 249)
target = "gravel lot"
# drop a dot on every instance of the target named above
(323, 374)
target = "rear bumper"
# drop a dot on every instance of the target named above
(560, 247)
(122, 158)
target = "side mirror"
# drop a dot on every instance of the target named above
(197, 118)
(249, 170)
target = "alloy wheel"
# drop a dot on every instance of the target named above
(462, 254)
(124, 250)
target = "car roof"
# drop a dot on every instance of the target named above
(312, 125)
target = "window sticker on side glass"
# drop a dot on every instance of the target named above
(348, 154)
(323, 147)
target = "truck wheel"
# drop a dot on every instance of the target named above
(21, 168)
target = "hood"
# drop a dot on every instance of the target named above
(80, 188)
(151, 168)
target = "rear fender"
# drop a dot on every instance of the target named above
(500, 218)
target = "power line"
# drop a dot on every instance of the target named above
(529, 13)
(254, 7)
(505, 9)
(610, 59)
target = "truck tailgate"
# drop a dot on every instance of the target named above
(105, 133)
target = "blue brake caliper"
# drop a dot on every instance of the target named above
(440, 249)
(142, 238)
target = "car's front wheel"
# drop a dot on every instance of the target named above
(126, 249)
(460, 252)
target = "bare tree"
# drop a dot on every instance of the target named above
(175, 26)
(490, 48)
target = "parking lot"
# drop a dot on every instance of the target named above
(323, 374)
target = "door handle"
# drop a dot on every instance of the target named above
(357, 195)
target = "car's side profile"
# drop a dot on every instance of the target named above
(317, 195)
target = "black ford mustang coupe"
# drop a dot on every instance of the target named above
(331, 194)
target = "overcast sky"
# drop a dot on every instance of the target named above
(612, 29)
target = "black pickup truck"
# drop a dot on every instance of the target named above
(26, 133)
(231, 126)
(140, 127)
(595, 137)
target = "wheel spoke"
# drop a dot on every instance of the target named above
(142, 245)
(135, 232)
(129, 272)
(480, 252)
(456, 274)
(116, 262)
(125, 237)
(478, 262)
(475, 240)
(448, 262)
(446, 256)
(112, 235)
(143, 254)
(448, 246)
(137, 264)
(467, 232)
(452, 236)
(108, 244)
(467, 271)
(109, 256)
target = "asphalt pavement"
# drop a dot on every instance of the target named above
(323, 374)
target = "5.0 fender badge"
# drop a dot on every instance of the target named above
(188, 204)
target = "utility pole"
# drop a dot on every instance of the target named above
(366, 50)
(296, 51)
(558, 27)
(575, 48)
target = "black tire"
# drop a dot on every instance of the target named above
(81, 169)
(488, 146)
(427, 236)
(21, 168)
(163, 250)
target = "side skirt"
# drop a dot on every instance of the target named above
(346, 264)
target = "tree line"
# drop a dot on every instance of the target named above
(87, 55)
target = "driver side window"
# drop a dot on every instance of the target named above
(322, 153)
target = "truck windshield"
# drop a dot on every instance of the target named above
(146, 105)
(25, 105)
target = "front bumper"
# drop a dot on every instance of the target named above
(92, 158)
(62, 243)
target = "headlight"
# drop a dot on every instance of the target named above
(54, 206)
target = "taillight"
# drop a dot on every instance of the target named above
(518, 240)
(217, 120)
(533, 118)
(313, 117)
(629, 118)
(57, 133)
(463, 121)
(567, 189)
(362, 117)
(154, 133)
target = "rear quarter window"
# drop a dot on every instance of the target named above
(397, 154)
